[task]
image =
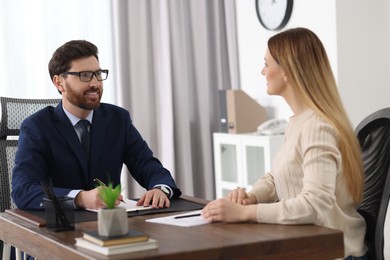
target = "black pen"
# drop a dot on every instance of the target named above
(188, 216)
(104, 185)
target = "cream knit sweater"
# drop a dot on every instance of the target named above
(306, 185)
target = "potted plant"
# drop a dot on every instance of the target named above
(112, 220)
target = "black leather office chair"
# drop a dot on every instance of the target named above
(13, 112)
(374, 137)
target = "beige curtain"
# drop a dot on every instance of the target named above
(171, 57)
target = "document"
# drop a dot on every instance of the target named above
(188, 219)
(129, 205)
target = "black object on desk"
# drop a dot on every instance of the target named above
(59, 211)
(59, 214)
(188, 216)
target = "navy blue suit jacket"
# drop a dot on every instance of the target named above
(49, 148)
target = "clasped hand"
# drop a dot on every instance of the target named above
(235, 208)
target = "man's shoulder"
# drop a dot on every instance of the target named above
(42, 114)
(107, 108)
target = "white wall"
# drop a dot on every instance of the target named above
(356, 36)
(364, 52)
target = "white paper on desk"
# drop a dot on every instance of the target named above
(182, 222)
(129, 205)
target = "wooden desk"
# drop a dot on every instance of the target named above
(213, 241)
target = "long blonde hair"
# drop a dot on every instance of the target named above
(303, 58)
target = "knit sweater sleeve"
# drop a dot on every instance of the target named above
(264, 189)
(304, 174)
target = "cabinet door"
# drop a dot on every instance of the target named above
(254, 164)
(240, 159)
(257, 155)
(255, 158)
(227, 160)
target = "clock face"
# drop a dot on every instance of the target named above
(274, 14)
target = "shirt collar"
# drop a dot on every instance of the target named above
(74, 119)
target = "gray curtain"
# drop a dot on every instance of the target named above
(171, 58)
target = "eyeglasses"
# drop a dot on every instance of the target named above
(86, 76)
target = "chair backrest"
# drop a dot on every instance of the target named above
(7, 159)
(15, 110)
(7, 155)
(374, 137)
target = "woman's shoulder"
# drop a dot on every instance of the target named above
(309, 123)
(317, 125)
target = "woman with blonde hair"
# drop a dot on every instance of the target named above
(317, 176)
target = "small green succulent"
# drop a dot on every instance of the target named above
(109, 194)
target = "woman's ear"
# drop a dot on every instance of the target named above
(285, 77)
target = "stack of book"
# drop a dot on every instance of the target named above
(133, 241)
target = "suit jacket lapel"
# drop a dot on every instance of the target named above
(66, 129)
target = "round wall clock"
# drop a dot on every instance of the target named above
(274, 14)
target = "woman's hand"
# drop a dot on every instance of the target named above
(240, 196)
(225, 210)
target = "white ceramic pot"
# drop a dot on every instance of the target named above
(112, 222)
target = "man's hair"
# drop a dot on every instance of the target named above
(61, 60)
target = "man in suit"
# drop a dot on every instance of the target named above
(50, 141)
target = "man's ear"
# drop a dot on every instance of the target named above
(58, 82)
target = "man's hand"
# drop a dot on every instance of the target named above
(91, 199)
(155, 198)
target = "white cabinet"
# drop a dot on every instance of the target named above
(240, 159)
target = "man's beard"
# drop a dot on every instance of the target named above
(81, 101)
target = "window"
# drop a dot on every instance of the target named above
(30, 31)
